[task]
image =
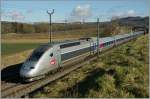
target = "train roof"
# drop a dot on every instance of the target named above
(121, 36)
(43, 47)
(106, 39)
(67, 41)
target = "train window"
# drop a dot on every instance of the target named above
(87, 39)
(38, 53)
(35, 56)
(106, 44)
(69, 44)
(31, 67)
(51, 54)
(109, 43)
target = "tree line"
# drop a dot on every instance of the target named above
(15, 27)
(112, 26)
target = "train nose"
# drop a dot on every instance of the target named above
(27, 70)
(26, 73)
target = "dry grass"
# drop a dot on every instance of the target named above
(43, 37)
(15, 58)
(34, 38)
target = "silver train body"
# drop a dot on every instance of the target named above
(52, 56)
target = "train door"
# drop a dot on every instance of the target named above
(59, 57)
(93, 47)
(58, 54)
(90, 47)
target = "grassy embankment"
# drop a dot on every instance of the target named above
(121, 73)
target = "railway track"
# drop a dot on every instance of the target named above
(11, 90)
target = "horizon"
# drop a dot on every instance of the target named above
(71, 11)
(76, 21)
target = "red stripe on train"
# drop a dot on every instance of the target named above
(53, 61)
(101, 45)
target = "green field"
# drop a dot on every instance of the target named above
(11, 48)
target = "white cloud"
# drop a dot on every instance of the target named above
(82, 11)
(15, 15)
(131, 13)
(122, 14)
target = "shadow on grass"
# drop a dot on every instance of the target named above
(80, 89)
(11, 73)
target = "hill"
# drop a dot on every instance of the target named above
(134, 21)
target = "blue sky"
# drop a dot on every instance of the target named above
(35, 11)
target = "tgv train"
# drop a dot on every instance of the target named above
(48, 57)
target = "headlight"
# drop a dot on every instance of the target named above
(31, 67)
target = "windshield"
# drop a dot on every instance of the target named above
(37, 53)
